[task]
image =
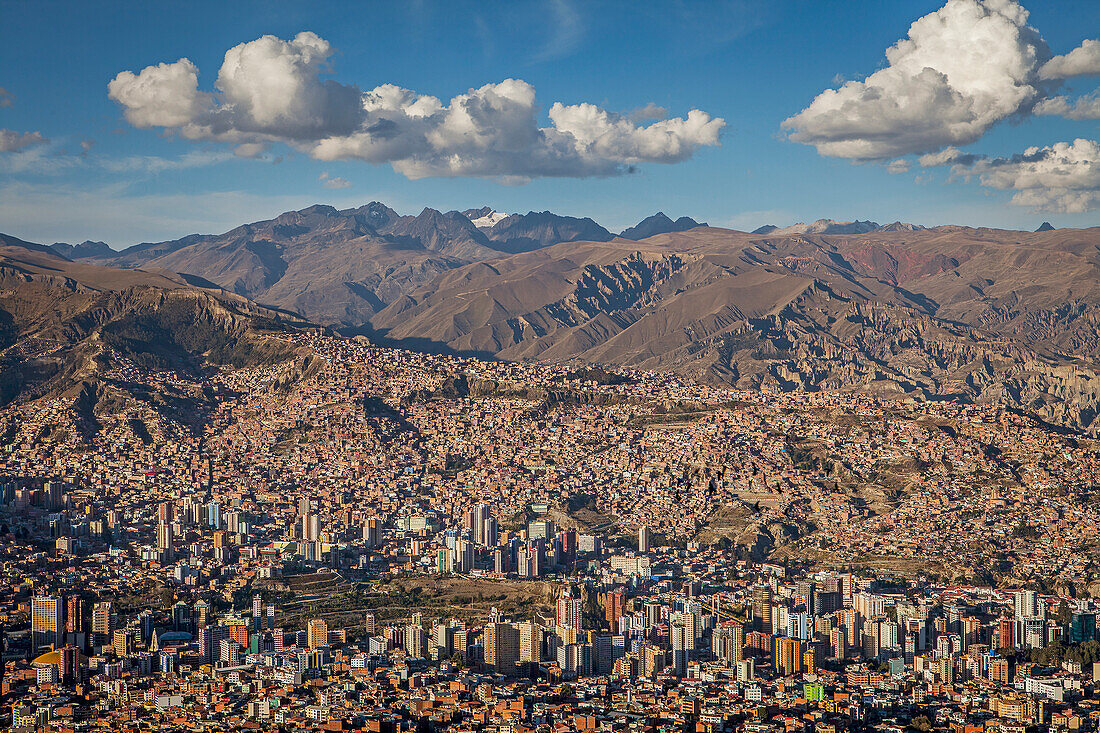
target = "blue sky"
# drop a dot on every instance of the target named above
(751, 64)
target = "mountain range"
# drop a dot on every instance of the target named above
(341, 267)
(903, 311)
(831, 226)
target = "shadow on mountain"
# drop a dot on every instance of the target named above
(417, 344)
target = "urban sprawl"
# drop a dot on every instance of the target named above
(389, 541)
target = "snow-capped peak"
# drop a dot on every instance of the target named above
(488, 221)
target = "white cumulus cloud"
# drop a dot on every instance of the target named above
(1081, 61)
(1086, 107)
(1064, 177)
(165, 95)
(960, 70)
(271, 90)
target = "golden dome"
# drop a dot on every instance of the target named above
(54, 657)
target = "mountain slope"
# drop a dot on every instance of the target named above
(65, 325)
(973, 314)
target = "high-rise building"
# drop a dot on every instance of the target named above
(316, 633)
(614, 607)
(481, 515)
(501, 647)
(257, 612)
(201, 613)
(826, 601)
(444, 561)
(570, 612)
(679, 636)
(214, 515)
(762, 608)
(239, 633)
(74, 614)
(491, 534)
(838, 641)
(804, 592)
(787, 656)
(540, 529)
(1026, 604)
(653, 660)
(530, 642)
(443, 641)
(728, 642)
(1000, 670)
(102, 614)
(311, 527)
(166, 513)
(801, 625)
(853, 625)
(465, 551)
(47, 623)
(608, 650)
(416, 640)
(210, 638)
(372, 532)
(535, 551)
(123, 641)
(643, 539)
(691, 619)
(1033, 633)
(69, 664)
(164, 538)
(567, 539)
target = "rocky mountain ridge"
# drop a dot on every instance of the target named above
(831, 226)
(342, 266)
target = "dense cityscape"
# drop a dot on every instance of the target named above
(550, 366)
(398, 541)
